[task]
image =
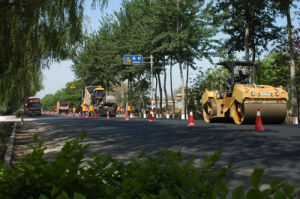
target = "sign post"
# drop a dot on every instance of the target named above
(138, 60)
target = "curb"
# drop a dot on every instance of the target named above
(9, 150)
(8, 118)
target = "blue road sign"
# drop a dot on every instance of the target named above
(133, 59)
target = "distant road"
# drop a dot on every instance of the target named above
(277, 148)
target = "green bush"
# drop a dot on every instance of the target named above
(165, 176)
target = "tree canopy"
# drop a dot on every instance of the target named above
(32, 34)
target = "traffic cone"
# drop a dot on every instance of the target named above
(73, 115)
(191, 119)
(79, 115)
(95, 114)
(22, 120)
(86, 115)
(127, 117)
(107, 114)
(258, 123)
(151, 116)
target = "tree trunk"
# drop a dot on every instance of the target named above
(186, 90)
(171, 87)
(122, 94)
(292, 68)
(182, 88)
(141, 98)
(155, 95)
(127, 98)
(180, 68)
(160, 96)
(253, 60)
(247, 33)
(165, 90)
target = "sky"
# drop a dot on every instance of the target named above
(58, 74)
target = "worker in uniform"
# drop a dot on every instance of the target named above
(119, 110)
(129, 109)
(85, 109)
(92, 110)
(74, 110)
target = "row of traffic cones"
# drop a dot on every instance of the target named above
(258, 122)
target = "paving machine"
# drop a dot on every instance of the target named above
(96, 96)
(62, 106)
(240, 101)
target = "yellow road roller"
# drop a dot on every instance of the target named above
(240, 99)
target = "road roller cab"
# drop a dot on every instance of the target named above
(240, 101)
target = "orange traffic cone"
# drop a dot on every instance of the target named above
(191, 119)
(127, 117)
(258, 123)
(86, 115)
(107, 114)
(151, 116)
(95, 114)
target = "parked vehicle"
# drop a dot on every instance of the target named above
(32, 107)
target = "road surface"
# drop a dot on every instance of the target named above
(277, 148)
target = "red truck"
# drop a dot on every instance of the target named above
(32, 106)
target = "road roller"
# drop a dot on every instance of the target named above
(239, 101)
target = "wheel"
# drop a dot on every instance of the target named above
(209, 110)
(238, 113)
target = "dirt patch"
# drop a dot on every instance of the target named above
(5, 132)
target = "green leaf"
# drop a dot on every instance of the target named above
(63, 195)
(253, 194)
(42, 196)
(164, 194)
(78, 196)
(54, 191)
(238, 193)
(35, 137)
(28, 166)
(256, 176)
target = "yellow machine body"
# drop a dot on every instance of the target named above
(243, 102)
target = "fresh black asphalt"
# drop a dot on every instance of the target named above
(277, 148)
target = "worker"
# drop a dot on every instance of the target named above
(241, 79)
(74, 110)
(118, 110)
(129, 109)
(91, 110)
(85, 109)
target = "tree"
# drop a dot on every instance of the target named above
(249, 24)
(32, 34)
(283, 6)
(73, 96)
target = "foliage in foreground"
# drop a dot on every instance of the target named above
(164, 176)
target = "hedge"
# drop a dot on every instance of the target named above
(165, 176)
